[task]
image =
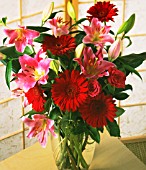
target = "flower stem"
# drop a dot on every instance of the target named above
(79, 151)
(62, 153)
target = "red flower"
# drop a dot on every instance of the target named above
(116, 78)
(60, 45)
(104, 11)
(94, 87)
(36, 98)
(97, 110)
(70, 90)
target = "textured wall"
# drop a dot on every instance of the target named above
(11, 111)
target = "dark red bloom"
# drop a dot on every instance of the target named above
(60, 45)
(116, 78)
(36, 98)
(70, 90)
(97, 110)
(94, 87)
(104, 11)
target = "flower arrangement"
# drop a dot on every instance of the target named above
(72, 76)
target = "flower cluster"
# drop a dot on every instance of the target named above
(72, 76)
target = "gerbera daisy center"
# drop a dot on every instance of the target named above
(72, 90)
(102, 13)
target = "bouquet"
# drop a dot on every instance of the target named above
(72, 76)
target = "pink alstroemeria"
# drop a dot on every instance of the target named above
(21, 37)
(93, 65)
(39, 126)
(33, 70)
(58, 27)
(97, 34)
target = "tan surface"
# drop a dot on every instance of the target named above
(111, 154)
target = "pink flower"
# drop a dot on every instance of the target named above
(93, 65)
(114, 50)
(97, 34)
(40, 125)
(21, 37)
(33, 70)
(58, 27)
(94, 87)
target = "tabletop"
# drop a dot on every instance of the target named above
(110, 154)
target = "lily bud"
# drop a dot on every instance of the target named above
(2, 56)
(114, 50)
(47, 12)
(79, 50)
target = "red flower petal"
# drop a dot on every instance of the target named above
(36, 98)
(104, 11)
(60, 45)
(69, 90)
(97, 110)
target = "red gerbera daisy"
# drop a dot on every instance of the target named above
(36, 98)
(69, 90)
(104, 11)
(97, 110)
(60, 45)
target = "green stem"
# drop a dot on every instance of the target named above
(72, 158)
(85, 142)
(79, 151)
(62, 152)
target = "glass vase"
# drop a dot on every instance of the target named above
(72, 152)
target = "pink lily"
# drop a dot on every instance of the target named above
(33, 70)
(21, 37)
(97, 34)
(114, 50)
(40, 125)
(58, 27)
(93, 65)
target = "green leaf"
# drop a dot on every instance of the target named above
(127, 87)
(38, 28)
(11, 53)
(4, 40)
(55, 113)
(71, 11)
(111, 89)
(54, 65)
(54, 13)
(3, 21)
(130, 42)
(28, 51)
(30, 113)
(119, 111)
(127, 25)
(134, 60)
(94, 133)
(40, 39)
(78, 22)
(121, 96)
(132, 70)
(47, 105)
(79, 37)
(52, 74)
(113, 128)
(8, 73)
